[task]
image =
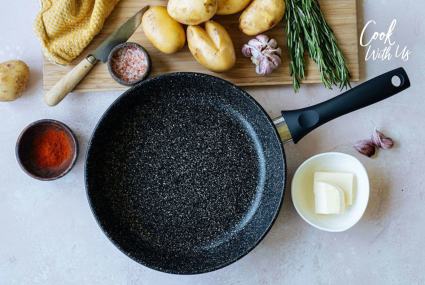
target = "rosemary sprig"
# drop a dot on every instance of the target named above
(307, 29)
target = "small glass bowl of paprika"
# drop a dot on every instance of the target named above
(47, 149)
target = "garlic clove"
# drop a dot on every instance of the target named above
(263, 39)
(256, 53)
(381, 141)
(365, 147)
(275, 60)
(264, 67)
(378, 140)
(246, 50)
(273, 43)
(254, 43)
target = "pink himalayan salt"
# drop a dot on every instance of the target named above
(129, 63)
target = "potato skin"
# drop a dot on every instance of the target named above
(261, 16)
(192, 12)
(212, 47)
(165, 33)
(14, 76)
(228, 7)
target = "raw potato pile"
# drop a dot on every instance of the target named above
(210, 45)
(14, 75)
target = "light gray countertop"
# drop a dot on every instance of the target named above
(49, 236)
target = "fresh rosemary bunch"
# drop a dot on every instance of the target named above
(306, 29)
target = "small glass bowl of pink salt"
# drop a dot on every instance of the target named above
(129, 63)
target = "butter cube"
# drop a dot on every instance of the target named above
(342, 180)
(328, 199)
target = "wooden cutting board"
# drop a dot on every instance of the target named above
(341, 15)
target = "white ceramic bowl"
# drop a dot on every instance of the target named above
(303, 196)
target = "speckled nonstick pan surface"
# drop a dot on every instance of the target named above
(185, 173)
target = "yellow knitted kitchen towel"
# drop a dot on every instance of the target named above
(66, 27)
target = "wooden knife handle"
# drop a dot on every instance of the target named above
(69, 81)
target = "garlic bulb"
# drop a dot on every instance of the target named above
(264, 53)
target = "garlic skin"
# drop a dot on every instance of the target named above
(264, 53)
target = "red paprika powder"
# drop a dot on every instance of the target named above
(51, 148)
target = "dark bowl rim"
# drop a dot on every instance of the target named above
(48, 122)
(158, 268)
(112, 72)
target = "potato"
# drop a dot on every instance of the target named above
(212, 47)
(228, 7)
(14, 75)
(261, 16)
(165, 33)
(192, 12)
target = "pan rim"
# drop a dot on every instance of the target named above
(141, 261)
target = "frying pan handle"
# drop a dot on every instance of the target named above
(301, 122)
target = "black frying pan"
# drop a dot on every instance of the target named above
(185, 172)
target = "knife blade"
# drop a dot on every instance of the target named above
(121, 35)
(74, 77)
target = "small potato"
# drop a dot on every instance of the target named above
(192, 12)
(212, 47)
(261, 16)
(14, 75)
(165, 33)
(228, 7)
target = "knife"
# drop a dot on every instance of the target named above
(74, 77)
